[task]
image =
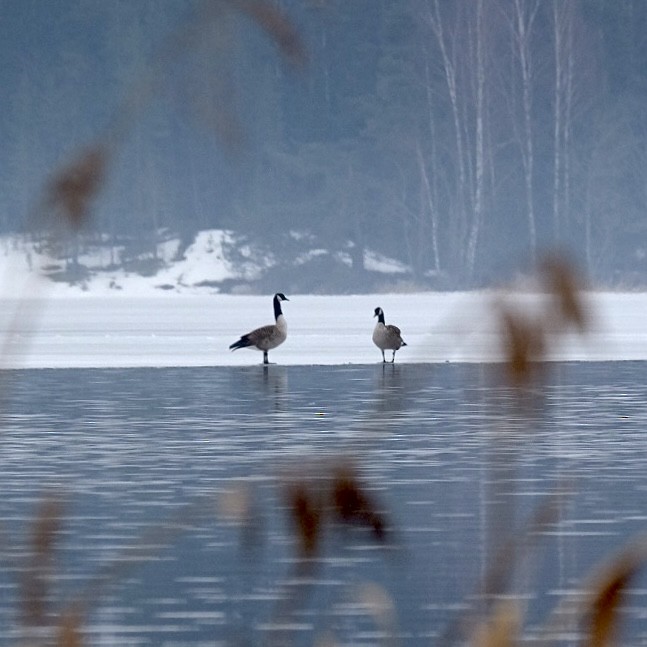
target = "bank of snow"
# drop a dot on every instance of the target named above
(103, 270)
(107, 271)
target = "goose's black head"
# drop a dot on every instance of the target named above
(278, 297)
(379, 313)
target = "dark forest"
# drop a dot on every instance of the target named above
(462, 138)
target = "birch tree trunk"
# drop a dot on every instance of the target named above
(525, 13)
(479, 159)
(562, 16)
(463, 54)
(439, 31)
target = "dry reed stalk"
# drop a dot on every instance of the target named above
(69, 631)
(517, 549)
(352, 504)
(502, 628)
(36, 580)
(526, 337)
(524, 345)
(380, 605)
(73, 188)
(606, 589)
(562, 282)
(307, 514)
(276, 24)
(604, 606)
(339, 498)
(315, 504)
(595, 610)
(237, 505)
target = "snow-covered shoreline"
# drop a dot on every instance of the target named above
(130, 330)
(203, 267)
(176, 317)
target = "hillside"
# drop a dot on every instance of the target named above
(205, 266)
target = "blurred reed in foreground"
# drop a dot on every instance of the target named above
(527, 336)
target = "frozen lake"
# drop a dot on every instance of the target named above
(187, 330)
(156, 464)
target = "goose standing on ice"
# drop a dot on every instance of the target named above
(386, 337)
(267, 337)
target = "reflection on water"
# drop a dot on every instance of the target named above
(449, 454)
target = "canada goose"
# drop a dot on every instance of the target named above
(267, 337)
(386, 337)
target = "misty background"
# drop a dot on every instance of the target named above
(461, 138)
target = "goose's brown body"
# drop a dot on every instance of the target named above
(386, 337)
(267, 337)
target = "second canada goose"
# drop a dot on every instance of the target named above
(266, 337)
(386, 337)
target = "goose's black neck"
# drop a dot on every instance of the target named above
(277, 307)
(380, 316)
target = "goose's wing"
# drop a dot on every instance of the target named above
(393, 330)
(264, 332)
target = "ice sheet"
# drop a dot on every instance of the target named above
(57, 330)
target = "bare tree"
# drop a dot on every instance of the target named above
(577, 90)
(444, 40)
(563, 16)
(479, 156)
(460, 35)
(429, 199)
(521, 16)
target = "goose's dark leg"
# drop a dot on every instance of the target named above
(393, 358)
(265, 360)
(383, 358)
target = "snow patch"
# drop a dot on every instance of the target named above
(200, 269)
(103, 270)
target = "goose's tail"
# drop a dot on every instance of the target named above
(243, 342)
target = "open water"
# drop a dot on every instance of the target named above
(170, 493)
